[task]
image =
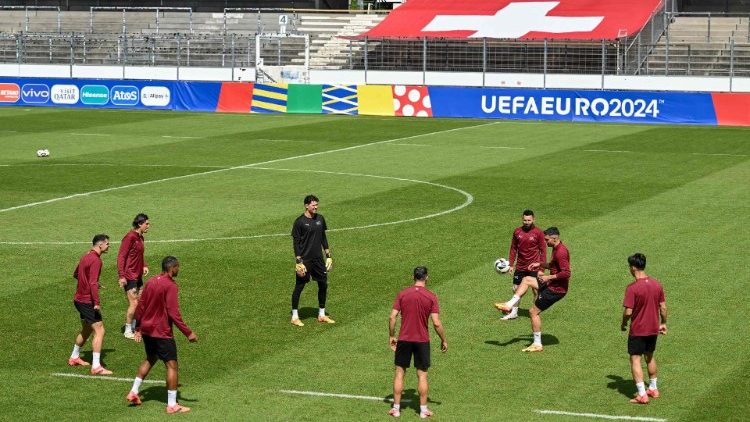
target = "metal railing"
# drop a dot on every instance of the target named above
(28, 9)
(159, 11)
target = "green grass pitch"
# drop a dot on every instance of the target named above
(223, 190)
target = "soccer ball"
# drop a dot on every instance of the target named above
(41, 153)
(502, 265)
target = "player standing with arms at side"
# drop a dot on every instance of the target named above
(86, 301)
(417, 306)
(157, 310)
(309, 239)
(131, 267)
(549, 288)
(644, 303)
(526, 247)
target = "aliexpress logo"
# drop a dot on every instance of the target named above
(9, 93)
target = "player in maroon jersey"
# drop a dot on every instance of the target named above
(417, 306)
(131, 267)
(549, 288)
(86, 301)
(644, 304)
(526, 247)
(157, 310)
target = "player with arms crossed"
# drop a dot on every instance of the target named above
(86, 301)
(132, 267)
(309, 240)
(157, 310)
(417, 306)
(526, 247)
(548, 288)
(644, 303)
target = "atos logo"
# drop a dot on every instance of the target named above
(124, 95)
(35, 93)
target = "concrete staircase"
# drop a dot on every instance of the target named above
(328, 48)
(699, 49)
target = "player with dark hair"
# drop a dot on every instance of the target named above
(157, 310)
(86, 301)
(549, 288)
(416, 305)
(309, 240)
(131, 267)
(526, 247)
(644, 303)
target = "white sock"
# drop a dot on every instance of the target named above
(128, 327)
(171, 398)
(136, 385)
(322, 312)
(96, 362)
(76, 352)
(295, 315)
(641, 388)
(513, 301)
(652, 384)
(538, 338)
(422, 409)
(396, 406)
(514, 311)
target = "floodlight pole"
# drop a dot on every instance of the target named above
(484, 61)
(366, 60)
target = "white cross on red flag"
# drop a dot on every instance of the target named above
(517, 19)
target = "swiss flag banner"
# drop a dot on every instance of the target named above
(517, 19)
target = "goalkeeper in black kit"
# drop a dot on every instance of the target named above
(310, 242)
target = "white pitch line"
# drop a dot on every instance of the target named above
(181, 137)
(469, 198)
(722, 155)
(607, 150)
(109, 165)
(89, 134)
(341, 396)
(278, 160)
(501, 147)
(596, 415)
(103, 377)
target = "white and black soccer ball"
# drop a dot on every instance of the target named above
(41, 153)
(502, 265)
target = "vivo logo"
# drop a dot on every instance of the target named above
(35, 93)
(124, 95)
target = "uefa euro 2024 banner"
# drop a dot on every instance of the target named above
(384, 100)
(575, 106)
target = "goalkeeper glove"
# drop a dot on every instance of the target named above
(300, 268)
(329, 263)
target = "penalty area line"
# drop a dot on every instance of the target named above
(598, 416)
(341, 396)
(103, 377)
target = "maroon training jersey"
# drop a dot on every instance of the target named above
(415, 304)
(528, 246)
(130, 261)
(559, 266)
(87, 273)
(644, 296)
(158, 308)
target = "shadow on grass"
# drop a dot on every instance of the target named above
(159, 393)
(410, 400)
(547, 340)
(624, 386)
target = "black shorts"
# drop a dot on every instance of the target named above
(89, 315)
(315, 269)
(639, 345)
(163, 348)
(133, 284)
(519, 275)
(406, 349)
(546, 297)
